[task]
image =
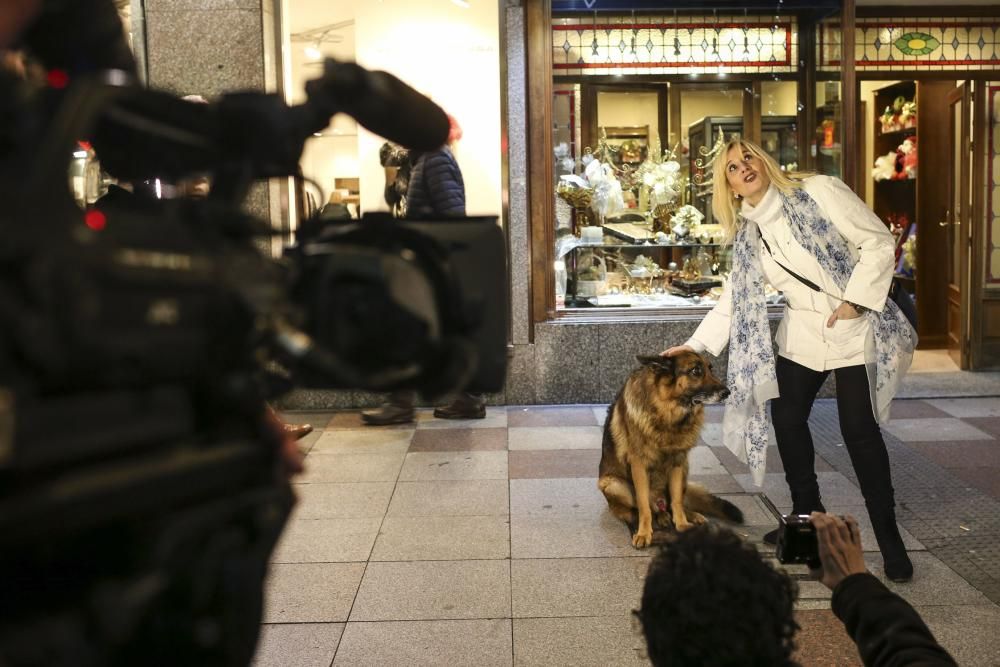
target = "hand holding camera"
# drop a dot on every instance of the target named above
(839, 543)
(830, 545)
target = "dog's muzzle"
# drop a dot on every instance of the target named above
(712, 397)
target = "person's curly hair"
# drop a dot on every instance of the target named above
(710, 599)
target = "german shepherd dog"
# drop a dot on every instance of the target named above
(651, 425)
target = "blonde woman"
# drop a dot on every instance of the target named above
(814, 240)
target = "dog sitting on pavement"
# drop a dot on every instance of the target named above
(651, 426)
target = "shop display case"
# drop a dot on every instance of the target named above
(628, 267)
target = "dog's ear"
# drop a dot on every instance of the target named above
(657, 362)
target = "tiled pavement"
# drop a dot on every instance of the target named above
(488, 543)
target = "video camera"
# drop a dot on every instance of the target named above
(141, 493)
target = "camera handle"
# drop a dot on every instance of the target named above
(379, 101)
(771, 508)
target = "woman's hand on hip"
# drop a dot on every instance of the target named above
(675, 350)
(845, 311)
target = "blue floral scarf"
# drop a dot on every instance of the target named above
(751, 374)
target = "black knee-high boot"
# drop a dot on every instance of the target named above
(871, 463)
(870, 459)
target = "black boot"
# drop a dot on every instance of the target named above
(896, 561)
(871, 463)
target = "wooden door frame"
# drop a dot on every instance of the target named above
(538, 106)
(958, 101)
(978, 136)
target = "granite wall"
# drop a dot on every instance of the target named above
(209, 47)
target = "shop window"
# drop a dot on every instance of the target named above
(659, 96)
(605, 44)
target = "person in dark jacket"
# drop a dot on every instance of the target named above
(436, 190)
(710, 598)
(887, 630)
(436, 187)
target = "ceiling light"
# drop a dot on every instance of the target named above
(462, 3)
(313, 53)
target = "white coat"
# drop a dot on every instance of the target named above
(803, 336)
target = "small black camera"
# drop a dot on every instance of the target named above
(797, 541)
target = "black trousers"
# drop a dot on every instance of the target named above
(798, 386)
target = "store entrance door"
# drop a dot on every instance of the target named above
(958, 221)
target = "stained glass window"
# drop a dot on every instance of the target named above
(916, 44)
(686, 45)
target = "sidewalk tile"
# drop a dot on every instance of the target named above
(443, 538)
(591, 641)
(439, 590)
(474, 497)
(310, 592)
(484, 643)
(577, 586)
(299, 644)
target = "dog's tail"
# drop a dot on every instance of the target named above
(698, 498)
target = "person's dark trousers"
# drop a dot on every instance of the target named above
(798, 387)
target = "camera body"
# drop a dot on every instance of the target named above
(413, 304)
(796, 542)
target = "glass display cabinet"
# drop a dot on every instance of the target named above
(624, 269)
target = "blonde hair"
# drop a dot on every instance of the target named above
(725, 206)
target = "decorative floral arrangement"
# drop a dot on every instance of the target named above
(565, 164)
(645, 267)
(900, 115)
(688, 215)
(608, 196)
(664, 182)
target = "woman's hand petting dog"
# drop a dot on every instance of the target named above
(675, 350)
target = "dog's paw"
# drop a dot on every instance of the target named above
(642, 539)
(693, 519)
